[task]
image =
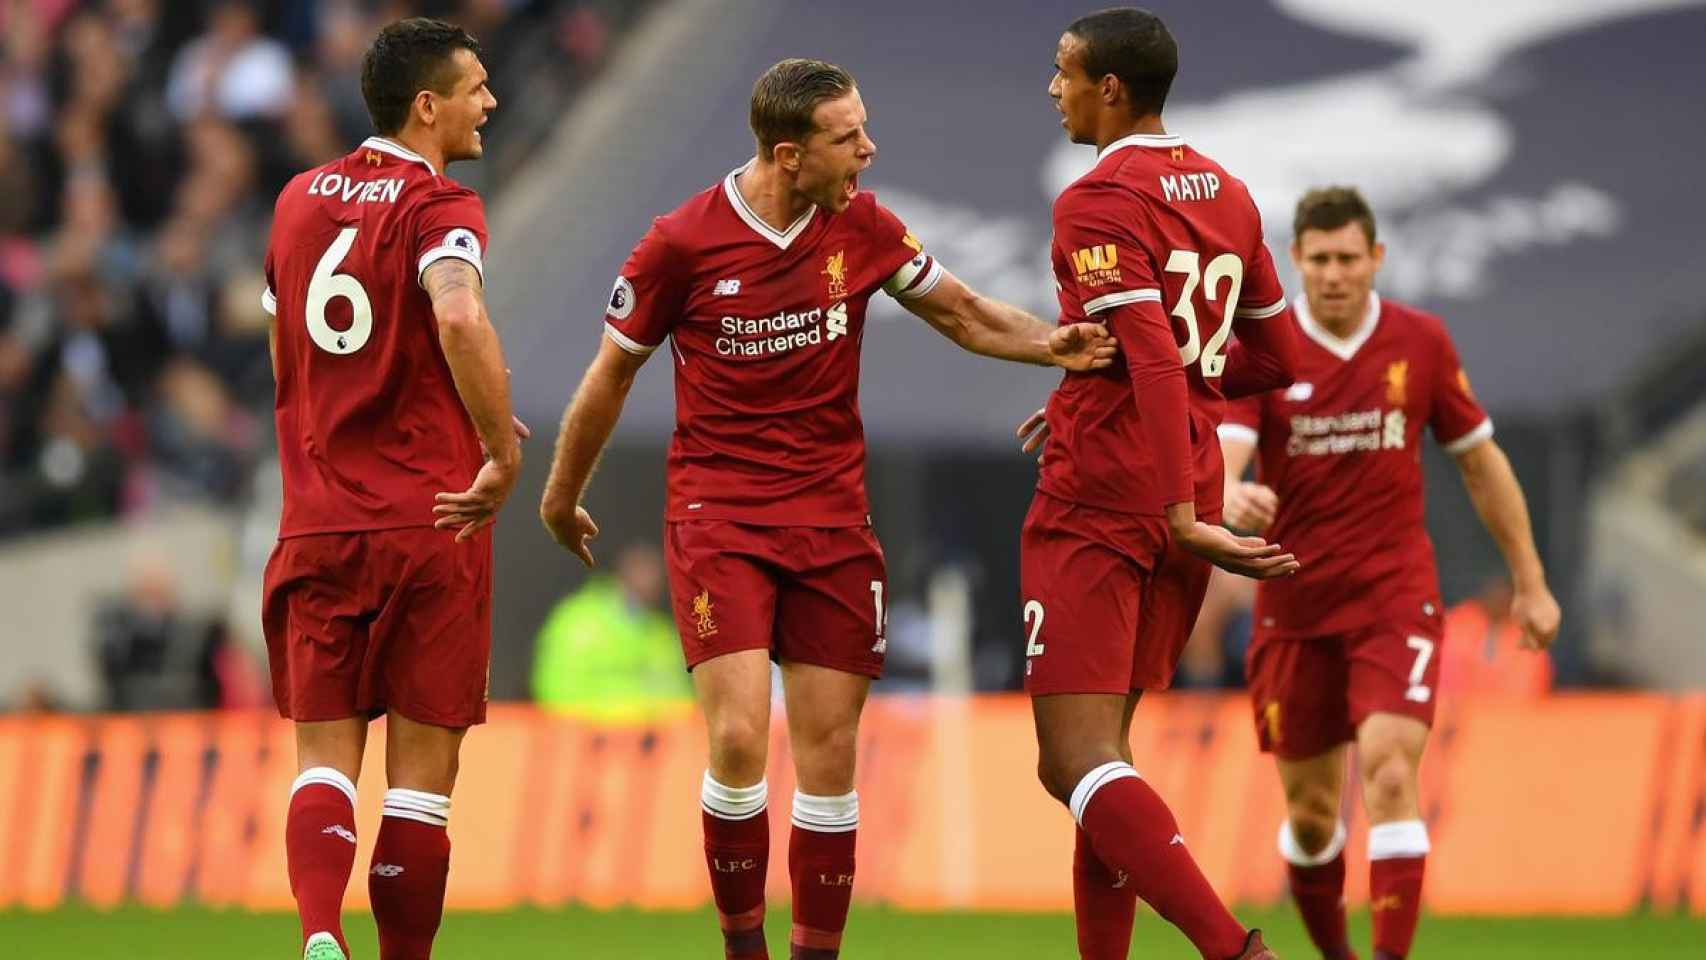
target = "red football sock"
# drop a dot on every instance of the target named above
(1397, 854)
(411, 860)
(319, 849)
(737, 855)
(1318, 886)
(1104, 901)
(820, 863)
(1132, 830)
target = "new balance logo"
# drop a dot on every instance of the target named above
(726, 288)
(1177, 841)
(882, 645)
(386, 870)
(340, 831)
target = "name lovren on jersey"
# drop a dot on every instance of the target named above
(349, 190)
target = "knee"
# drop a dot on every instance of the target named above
(739, 745)
(825, 759)
(1061, 772)
(1388, 786)
(1314, 817)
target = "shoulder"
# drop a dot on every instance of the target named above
(693, 218)
(1097, 192)
(1413, 322)
(430, 189)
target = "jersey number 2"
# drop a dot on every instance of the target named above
(326, 286)
(1227, 267)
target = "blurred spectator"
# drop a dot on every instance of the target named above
(232, 69)
(142, 143)
(147, 647)
(1214, 655)
(609, 651)
(1482, 655)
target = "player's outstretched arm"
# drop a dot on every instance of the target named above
(1248, 506)
(476, 362)
(1497, 496)
(587, 423)
(996, 329)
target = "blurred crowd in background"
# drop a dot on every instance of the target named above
(142, 143)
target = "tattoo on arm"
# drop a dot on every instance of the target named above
(449, 275)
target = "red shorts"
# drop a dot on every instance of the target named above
(1109, 600)
(812, 595)
(361, 623)
(1310, 694)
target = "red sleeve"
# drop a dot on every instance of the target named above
(1264, 356)
(1112, 265)
(1456, 417)
(449, 223)
(1243, 419)
(1115, 282)
(905, 270)
(269, 295)
(649, 295)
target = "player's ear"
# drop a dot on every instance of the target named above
(1296, 255)
(787, 156)
(1110, 90)
(1379, 255)
(425, 107)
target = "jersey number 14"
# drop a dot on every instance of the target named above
(1227, 267)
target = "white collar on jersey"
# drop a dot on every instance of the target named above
(1342, 347)
(781, 238)
(396, 149)
(1142, 140)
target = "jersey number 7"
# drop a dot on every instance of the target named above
(1226, 267)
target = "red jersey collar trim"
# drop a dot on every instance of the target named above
(396, 150)
(781, 238)
(1343, 348)
(1142, 140)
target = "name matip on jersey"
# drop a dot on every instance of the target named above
(1341, 447)
(765, 327)
(370, 426)
(1153, 222)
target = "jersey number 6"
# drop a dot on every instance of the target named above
(326, 286)
(1228, 267)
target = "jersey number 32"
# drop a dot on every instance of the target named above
(1226, 267)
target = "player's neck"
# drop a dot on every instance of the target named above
(420, 144)
(1343, 326)
(769, 195)
(1149, 126)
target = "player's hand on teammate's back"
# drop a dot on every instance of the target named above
(1250, 507)
(571, 531)
(1082, 346)
(477, 506)
(1250, 557)
(1536, 613)
(1034, 433)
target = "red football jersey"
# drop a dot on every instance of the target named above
(1342, 449)
(766, 327)
(1158, 225)
(370, 426)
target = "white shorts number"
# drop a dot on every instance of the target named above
(326, 286)
(1227, 267)
(1032, 647)
(1419, 691)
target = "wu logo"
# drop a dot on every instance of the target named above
(836, 321)
(1091, 259)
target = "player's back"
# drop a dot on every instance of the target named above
(1205, 236)
(1195, 245)
(370, 426)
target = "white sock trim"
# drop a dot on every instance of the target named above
(826, 814)
(417, 805)
(1095, 780)
(1401, 838)
(733, 803)
(327, 776)
(1295, 855)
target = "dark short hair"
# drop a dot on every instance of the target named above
(407, 57)
(1329, 208)
(1135, 46)
(786, 97)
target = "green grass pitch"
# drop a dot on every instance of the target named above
(134, 934)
